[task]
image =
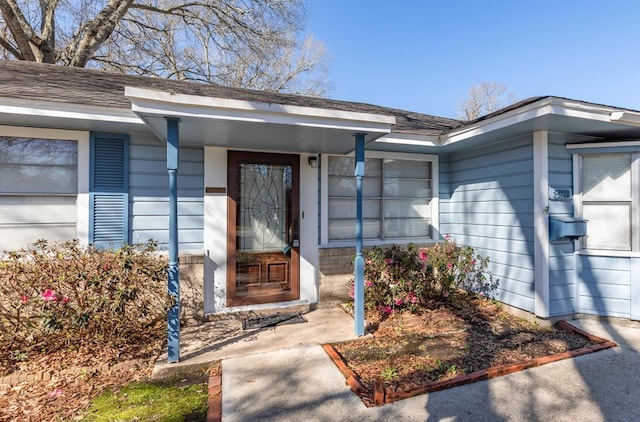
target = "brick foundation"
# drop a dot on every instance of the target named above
(335, 269)
(191, 288)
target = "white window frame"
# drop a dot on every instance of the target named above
(631, 147)
(82, 139)
(324, 207)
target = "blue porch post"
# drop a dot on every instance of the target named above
(358, 305)
(173, 282)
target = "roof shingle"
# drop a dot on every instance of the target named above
(46, 82)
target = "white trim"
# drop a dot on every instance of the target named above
(603, 145)
(324, 198)
(634, 289)
(577, 195)
(608, 253)
(152, 102)
(576, 282)
(435, 199)
(377, 242)
(83, 189)
(541, 222)
(82, 138)
(635, 202)
(215, 230)
(544, 107)
(68, 111)
(408, 139)
(626, 116)
(308, 231)
(391, 155)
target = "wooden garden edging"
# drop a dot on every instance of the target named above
(383, 395)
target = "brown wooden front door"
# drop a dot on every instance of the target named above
(263, 228)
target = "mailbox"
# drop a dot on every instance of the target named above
(566, 228)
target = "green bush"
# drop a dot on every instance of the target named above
(71, 294)
(403, 277)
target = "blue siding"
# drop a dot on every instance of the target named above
(604, 285)
(149, 188)
(486, 202)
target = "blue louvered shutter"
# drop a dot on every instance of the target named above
(108, 190)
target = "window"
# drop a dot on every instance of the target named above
(397, 198)
(607, 200)
(38, 188)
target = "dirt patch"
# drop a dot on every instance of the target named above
(446, 341)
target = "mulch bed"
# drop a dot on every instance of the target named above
(448, 345)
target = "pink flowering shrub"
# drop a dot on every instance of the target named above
(52, 295)
(450, 268)
(394, 278)
(403, 277)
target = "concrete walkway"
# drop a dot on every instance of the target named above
(224, 338)
(301, 383)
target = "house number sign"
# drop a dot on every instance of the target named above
(560, 194)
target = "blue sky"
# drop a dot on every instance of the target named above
(425, 55)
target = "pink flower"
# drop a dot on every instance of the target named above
(55, 393)
(65, 300)
(449, 265)
(351, 294)
(447, 237)
(388, 261)
(49, 295)
(445, 293)
(387, 309)
(414, 299)
(473, 262)
(399, 302)
(368, 283)
(24, 298)
(423, 255)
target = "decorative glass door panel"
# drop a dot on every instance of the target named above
(263, 228)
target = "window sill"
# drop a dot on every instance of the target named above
(373, 242)
(601, 252)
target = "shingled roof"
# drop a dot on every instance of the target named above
(45, 82)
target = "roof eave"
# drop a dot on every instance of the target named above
(546, 106)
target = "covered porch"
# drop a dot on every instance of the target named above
(223, 126)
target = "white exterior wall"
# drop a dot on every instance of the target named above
(308, 231)
(215, 230)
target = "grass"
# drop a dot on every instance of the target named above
(167, 401)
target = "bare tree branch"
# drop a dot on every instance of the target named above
(11, 49)
(20, 29)
(249, 43)
(483, 99)
(96, 32)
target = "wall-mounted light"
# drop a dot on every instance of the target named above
(313, 162)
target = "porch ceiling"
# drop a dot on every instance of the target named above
(256, 126)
